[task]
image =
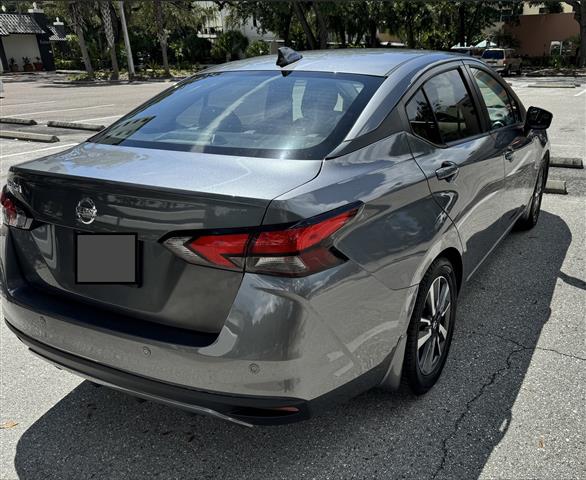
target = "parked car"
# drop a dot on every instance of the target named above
(470, 51)
(262, 240)
(503, 60)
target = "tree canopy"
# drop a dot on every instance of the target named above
(164, 32)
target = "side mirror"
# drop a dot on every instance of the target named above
(538, 118)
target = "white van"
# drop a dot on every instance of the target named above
(504, 60)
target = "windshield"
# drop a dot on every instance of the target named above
(301, 115)
(494, 54)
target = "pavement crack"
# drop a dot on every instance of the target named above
(469, 403)
(523, 346)
(569, 355)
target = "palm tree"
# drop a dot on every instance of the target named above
(106, 12)
(78, 23)
(161, 33)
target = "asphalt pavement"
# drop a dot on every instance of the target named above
(510, 403)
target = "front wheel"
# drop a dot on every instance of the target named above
(431, 328)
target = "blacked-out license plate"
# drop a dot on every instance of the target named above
(106, 258)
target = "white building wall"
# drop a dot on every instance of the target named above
(18, 46)
(251, 32)
(529, 9)
(219, 23)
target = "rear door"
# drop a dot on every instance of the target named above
(459, 157)
(505, 117)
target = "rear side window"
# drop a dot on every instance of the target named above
(452, 106)
(493, 54)
(502, 109)
(421, 118)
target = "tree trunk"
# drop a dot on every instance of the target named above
(582, 47)
(77, 20)
(128, 48)
(312, 42)
(110, 38)
(579, 8)
(410, 34)
(322, 28)
(580, 16)
(342, 35)
(161, 34)
(472, 25)
(287, 29)
(462, 25)
(84, 51)
(372, 38)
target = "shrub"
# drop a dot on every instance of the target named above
(61, 64)
(229, 45)
(257, 48)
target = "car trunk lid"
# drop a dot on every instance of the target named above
(150, 193)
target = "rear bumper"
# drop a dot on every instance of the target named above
(244, 410)
(300, 343)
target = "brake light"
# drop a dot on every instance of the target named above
(221, 250)
(12, 215)
(296, 250)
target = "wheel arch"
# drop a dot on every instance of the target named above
(455, 258)
(392, 379)
(448, 245)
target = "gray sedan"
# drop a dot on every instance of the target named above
(274, 234)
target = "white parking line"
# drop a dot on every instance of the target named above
(581, 93)
(29, 103)
(63, 110)
(38, 150)
(97, 118)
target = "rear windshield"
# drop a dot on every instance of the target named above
(494, 54)
(301, 115)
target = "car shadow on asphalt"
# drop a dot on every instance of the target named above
(448, 433)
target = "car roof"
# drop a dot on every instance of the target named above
(369, 61)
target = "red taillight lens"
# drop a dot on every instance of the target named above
(221, 250)
(12, 215)
(297, 250)
(297, 239)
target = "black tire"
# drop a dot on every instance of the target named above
(414, 373)
(529, 219)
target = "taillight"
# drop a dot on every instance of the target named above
(12, 214)
(294, 250)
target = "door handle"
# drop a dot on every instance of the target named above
(509, 154)
(448, 171)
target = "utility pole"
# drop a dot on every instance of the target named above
(126, 41)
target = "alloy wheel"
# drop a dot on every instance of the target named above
(434, 325)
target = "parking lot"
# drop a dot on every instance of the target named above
(511, 402)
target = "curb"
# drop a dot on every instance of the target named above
(75, 126)
(556, 186)
(118, 82)
(566, 162)
(19, 121)
(552, 85)
(33, 137)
